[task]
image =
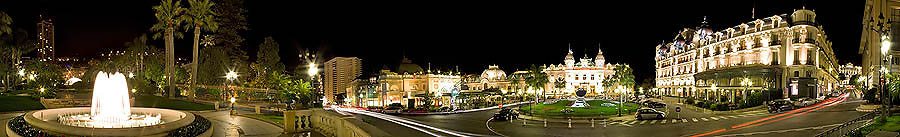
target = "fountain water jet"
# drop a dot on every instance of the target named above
(110, 106)
(110, 102)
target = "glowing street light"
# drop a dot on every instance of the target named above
(22, 72)
(231, 75)
(885, 45)
(232, 104)
(313, 70)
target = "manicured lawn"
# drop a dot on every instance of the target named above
(595, 108)
(892, 125)
(273, 118)
(161, 102)
(17, 103)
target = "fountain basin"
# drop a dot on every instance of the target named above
(47, 121)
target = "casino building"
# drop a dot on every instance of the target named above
(789, 54)
(587, 73)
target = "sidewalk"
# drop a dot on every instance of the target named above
(670, 100)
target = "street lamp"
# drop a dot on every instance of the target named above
(746, 83)
(885, 48)
(313, 70)
(716, 93)
(232, 104)
(231, 75)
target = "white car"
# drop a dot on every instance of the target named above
(803, 102)
(649, 113)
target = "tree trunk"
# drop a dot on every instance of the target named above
(170, 61)
(194, 63)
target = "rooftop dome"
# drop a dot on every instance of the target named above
(493, 72)
(803, 17)
(408, 67)
(599, 60)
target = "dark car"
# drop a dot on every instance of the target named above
(506, 114)
(780, 105)
(652, 104)
(649, 113)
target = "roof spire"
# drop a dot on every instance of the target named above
(570, 48)
(599, 51)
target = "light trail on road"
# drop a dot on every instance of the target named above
(409, 123)
(826, 103)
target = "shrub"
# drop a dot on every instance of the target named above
(689, 101)
(870, 95)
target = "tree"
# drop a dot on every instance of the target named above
(232, 22)
(623, 76)
(167, 20)
(199, 16)
(293, 88)
(213, 65)
(13, 47)
(559, 83)
(537, 79)
(43, 77)
(268, 62)
(5, 23)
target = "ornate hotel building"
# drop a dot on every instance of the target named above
(878, 42)
(787, 53)
(587, 73)
(848, 71)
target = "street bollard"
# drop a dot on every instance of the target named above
(570, 122)
(217, 105)
(523, 122)
(545, 122)
(592, 122)
(605, 122)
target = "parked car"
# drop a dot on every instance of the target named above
(652, 104)
(446, 109)
(506, 114)
(779, 106)
(392, 110)
(803, 102)
(649, 113)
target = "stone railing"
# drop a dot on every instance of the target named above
(329, 123)
(65, 103)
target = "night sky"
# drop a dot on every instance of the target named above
(469, 35)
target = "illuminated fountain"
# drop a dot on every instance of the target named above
(110, 106)
(110, 114)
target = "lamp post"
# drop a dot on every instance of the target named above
(882, 26)
(746, 83)
(232, 105)
(231, 75)
(715, 92)
(312, 70)
(885, 48)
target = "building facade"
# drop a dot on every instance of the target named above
(46, 40)
(338, 73)
(587, 73)
(790, 53)
(412, 88)
(848, 71)
(878, 42)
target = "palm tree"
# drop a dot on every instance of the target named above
(5, 22)
(167, 20)
(199, 16)
(559, 83)
(13, 47)
(537, 80)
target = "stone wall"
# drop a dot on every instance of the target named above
(329, 123)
